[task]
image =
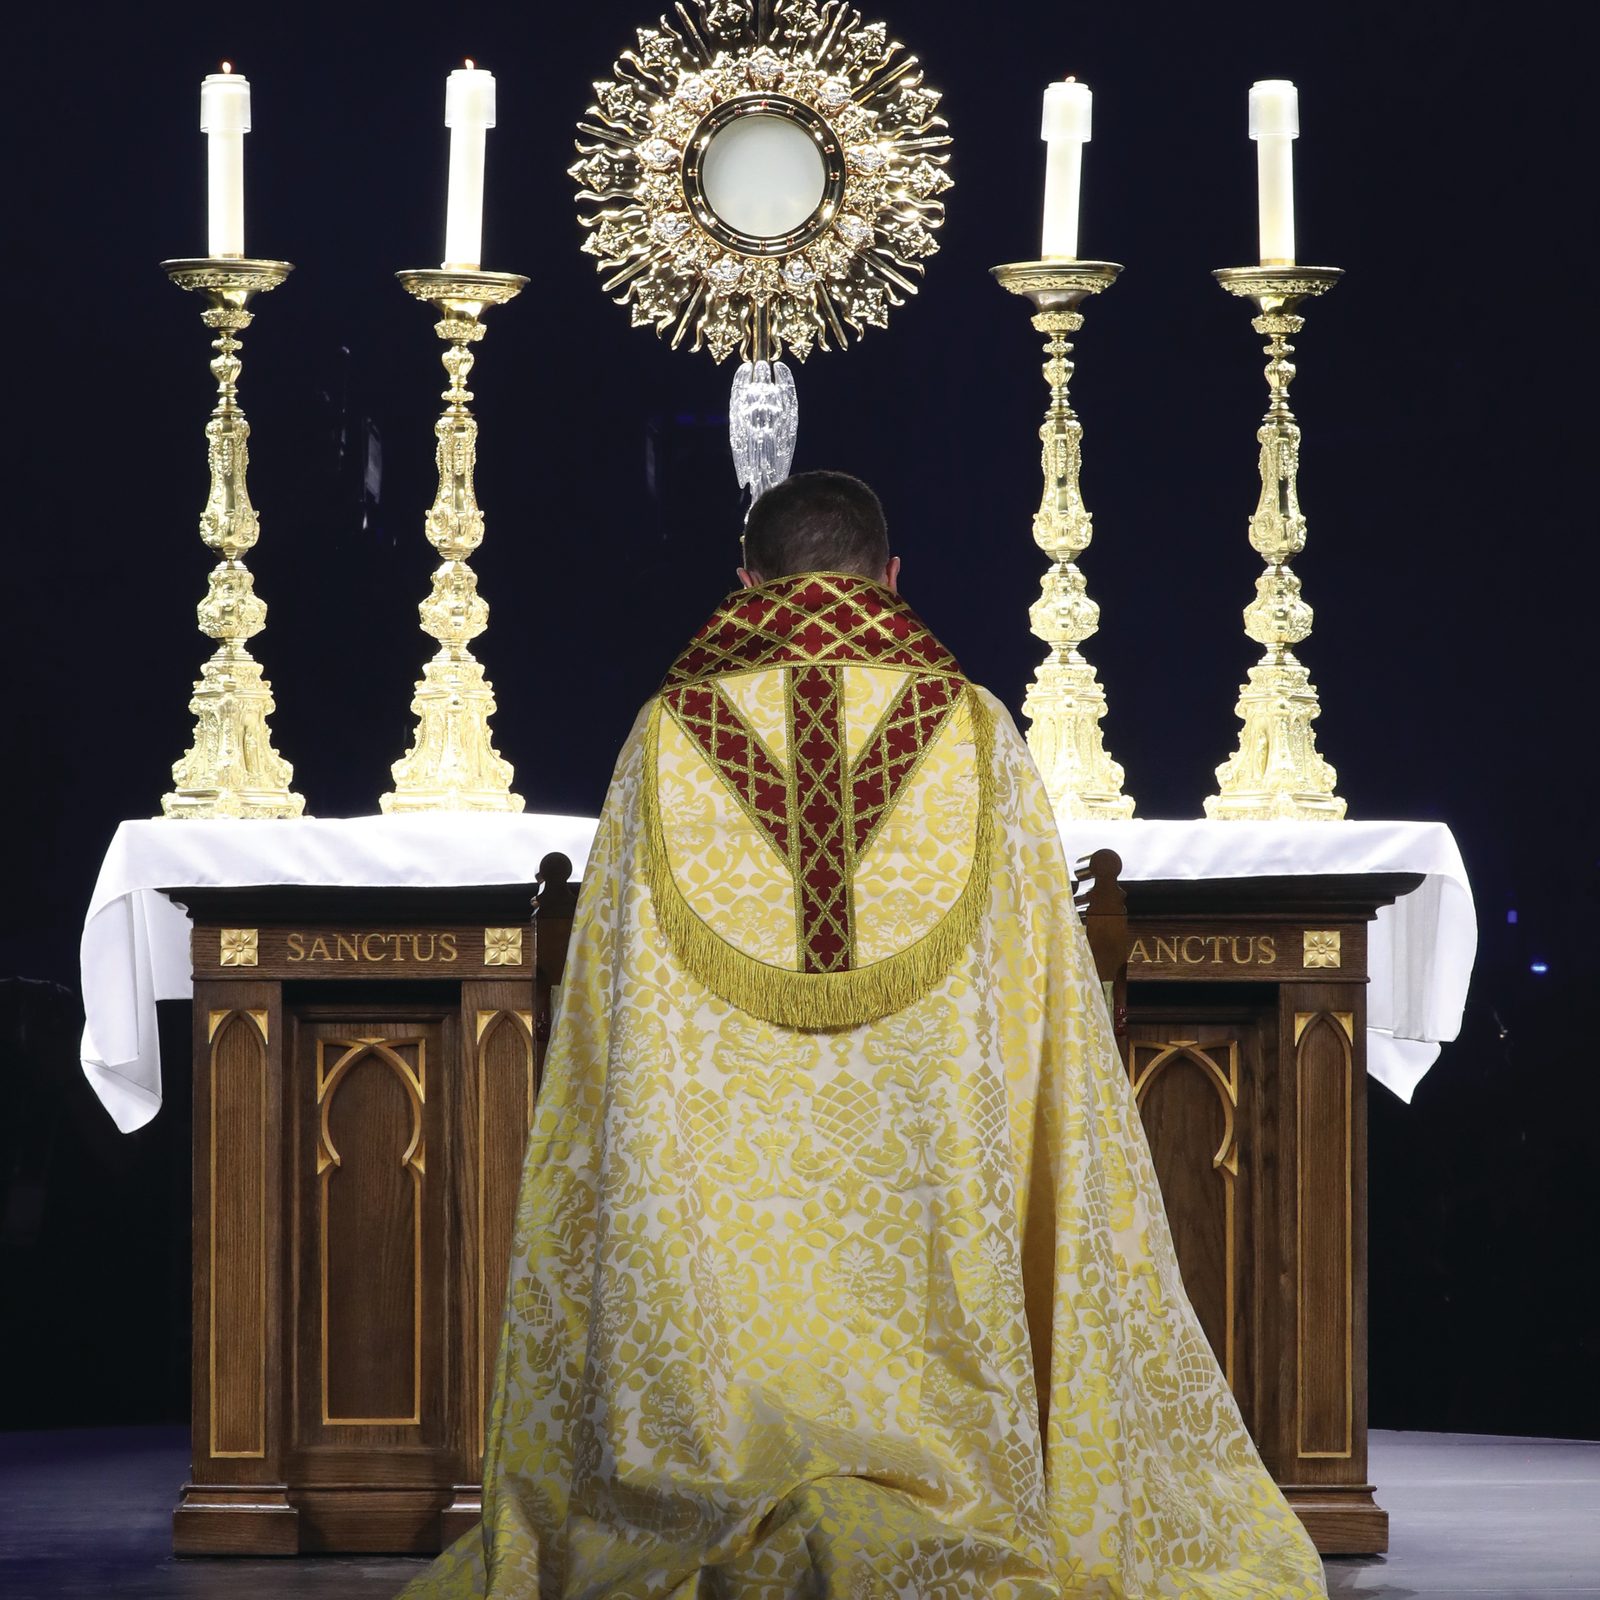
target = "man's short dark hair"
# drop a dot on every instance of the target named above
(817, 522)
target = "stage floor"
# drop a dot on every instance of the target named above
(85, 1514)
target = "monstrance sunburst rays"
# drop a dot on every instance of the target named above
(685, 270)
(884, 150)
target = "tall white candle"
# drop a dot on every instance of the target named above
(1275, 125)
(468, 114)
(225, 120)
(1065, 131)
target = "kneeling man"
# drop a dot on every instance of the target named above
(840, 1268)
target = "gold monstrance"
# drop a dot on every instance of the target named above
(231, 769)
(762, 176)
(1276, 772)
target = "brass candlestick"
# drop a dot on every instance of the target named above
(231, 769)
(452, 764)
(1065, 701)
(1276, 771)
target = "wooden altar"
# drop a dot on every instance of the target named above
(1242, 1019)
(365, 1062)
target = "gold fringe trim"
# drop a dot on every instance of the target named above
(817, 1000)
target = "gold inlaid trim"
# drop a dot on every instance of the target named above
(1345, 1021)
(502, 947)
(485, 1023)
(238, 947)
(215, 1023)
(215, 1020)
(1225, 1161)
(414, 1160)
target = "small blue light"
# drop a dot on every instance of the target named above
(1539, 967)
(1511, 916)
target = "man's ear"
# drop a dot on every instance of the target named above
(748, 578)
(891, 575)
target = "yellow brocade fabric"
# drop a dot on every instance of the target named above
(787, 1307)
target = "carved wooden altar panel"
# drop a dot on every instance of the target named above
(371, 1165)
(1245, 1039)
(237, 1493)
(1197, 1090)
(365, 1064)
(505, 1079)
(1322, 1427)
(1324, 1138)
(239, 1082)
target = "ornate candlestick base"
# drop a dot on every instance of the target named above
(1276, 771)
(1065, 702)
(452, 764)
(231, 769)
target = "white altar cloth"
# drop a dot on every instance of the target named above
(1420, 950)
(135, 947)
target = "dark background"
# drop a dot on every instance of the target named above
(1446, 474)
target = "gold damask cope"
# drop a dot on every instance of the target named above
(889, 1311)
